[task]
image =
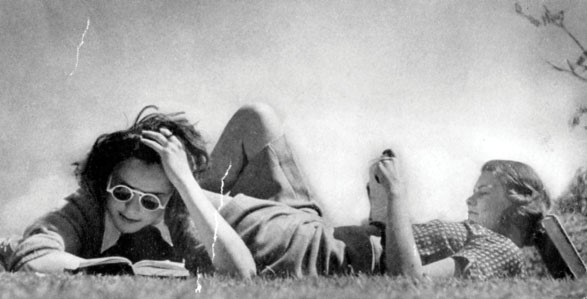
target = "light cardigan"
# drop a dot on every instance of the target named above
(78, 228)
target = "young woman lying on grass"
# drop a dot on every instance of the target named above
(504, 212)
(138, 198)
(274, 212)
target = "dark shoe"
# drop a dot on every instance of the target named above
(7, 246)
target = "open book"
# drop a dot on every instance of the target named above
(116, 265)
(558, 252)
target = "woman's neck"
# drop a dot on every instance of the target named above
(516, 235)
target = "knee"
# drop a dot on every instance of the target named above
(259, 116)
(257, 110)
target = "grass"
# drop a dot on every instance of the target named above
(571, 208)
(28, 285)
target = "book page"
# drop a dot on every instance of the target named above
(104, 261)
(166, 264)
(160, 268)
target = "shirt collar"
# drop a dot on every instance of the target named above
(112, 234)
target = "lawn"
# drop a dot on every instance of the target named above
(28, 285)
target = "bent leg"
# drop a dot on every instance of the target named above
(253, 157)
(247, 132)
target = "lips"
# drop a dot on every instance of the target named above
(473, 215)
(129, 220)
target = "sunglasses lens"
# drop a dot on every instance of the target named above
(122, 193)
(150, 202)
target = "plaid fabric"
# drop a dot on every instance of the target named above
(479, 253)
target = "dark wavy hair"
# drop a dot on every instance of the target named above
(525, 190)
(113, 148)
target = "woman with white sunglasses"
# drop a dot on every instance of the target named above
(138, 198)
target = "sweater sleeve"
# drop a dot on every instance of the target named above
(63, 230)
(437, 240)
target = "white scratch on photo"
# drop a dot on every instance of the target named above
(220, 206)
(79, 47)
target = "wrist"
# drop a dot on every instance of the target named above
(184, 182)
(393, 192)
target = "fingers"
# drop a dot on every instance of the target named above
(152, 144)
(387, 155)
(160, 140)
(388, 163)
(156, 136)
(166, 132)
(387, 170)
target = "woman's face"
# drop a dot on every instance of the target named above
(130, 216)
(488, 202)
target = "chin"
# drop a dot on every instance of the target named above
(127, 228)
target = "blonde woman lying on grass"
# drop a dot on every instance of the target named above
(268, 204)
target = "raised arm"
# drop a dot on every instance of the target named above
(226, 249)
(401, 253)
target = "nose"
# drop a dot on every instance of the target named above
(472, 200)
(134, 205)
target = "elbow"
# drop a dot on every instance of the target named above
(246, 270)
(38, 267)
(249, 271)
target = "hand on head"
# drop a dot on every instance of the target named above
(174, 158)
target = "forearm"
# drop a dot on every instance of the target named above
(401, 253)
(56, 261)
(226, 249)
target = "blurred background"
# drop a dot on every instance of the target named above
(446, 84)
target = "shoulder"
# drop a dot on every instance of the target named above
(80, 208)
(77, 219)
(440, 225)
(83, 200)
(480, 235)
(435, 231)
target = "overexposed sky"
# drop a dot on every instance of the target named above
(447, 84)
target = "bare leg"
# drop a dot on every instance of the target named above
(253, 157)
(249, 130)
